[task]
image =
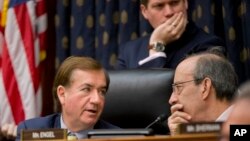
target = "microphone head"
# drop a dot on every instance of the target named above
(162, 117)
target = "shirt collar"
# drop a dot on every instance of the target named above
(223, 117)
(80, 134)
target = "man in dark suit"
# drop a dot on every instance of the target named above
(173, 38)
(80, 87)
(203, 90)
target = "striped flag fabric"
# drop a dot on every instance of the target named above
(22, 49)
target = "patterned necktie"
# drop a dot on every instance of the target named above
(71, 136)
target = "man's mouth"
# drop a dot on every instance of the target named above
(92, 111)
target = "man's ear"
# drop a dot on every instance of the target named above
(207, 88)
(186, 4)
(144, 11)
(61, 94)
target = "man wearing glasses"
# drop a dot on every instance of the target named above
(204, 85)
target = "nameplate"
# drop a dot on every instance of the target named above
(44, 134)
(199, 127)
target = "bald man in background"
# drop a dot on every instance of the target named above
(240, 113)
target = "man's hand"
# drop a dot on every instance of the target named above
(9, 130)
(170, 30)
(177, 117)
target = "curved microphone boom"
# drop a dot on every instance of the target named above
(160, 118)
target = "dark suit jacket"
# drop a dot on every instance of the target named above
(193, 40)
(53, 121)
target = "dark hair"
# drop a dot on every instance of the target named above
(220, 71)
(70, 64)
(144, 2)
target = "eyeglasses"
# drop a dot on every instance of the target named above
(177, 87)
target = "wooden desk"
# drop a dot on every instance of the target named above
(187, 137)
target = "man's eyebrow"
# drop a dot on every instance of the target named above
(90, 85)
(86, 84)
(104, 87)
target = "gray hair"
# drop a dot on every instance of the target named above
(220, 71)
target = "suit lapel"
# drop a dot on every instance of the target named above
(57, 123)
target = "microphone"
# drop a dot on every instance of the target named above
(160, 118)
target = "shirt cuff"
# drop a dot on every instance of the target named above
(152, 57)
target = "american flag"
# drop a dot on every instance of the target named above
(22, 48)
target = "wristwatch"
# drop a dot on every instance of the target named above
(157, 46)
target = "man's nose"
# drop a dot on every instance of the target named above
(168, 11)
(95, 97)
(173, 98)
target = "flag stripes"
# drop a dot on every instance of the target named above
(24, 37)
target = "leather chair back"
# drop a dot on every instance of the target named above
(137, 97)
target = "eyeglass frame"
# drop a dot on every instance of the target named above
(175, 85)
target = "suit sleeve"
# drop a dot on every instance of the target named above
(121, 60)
(20, 127)
(158, 62)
